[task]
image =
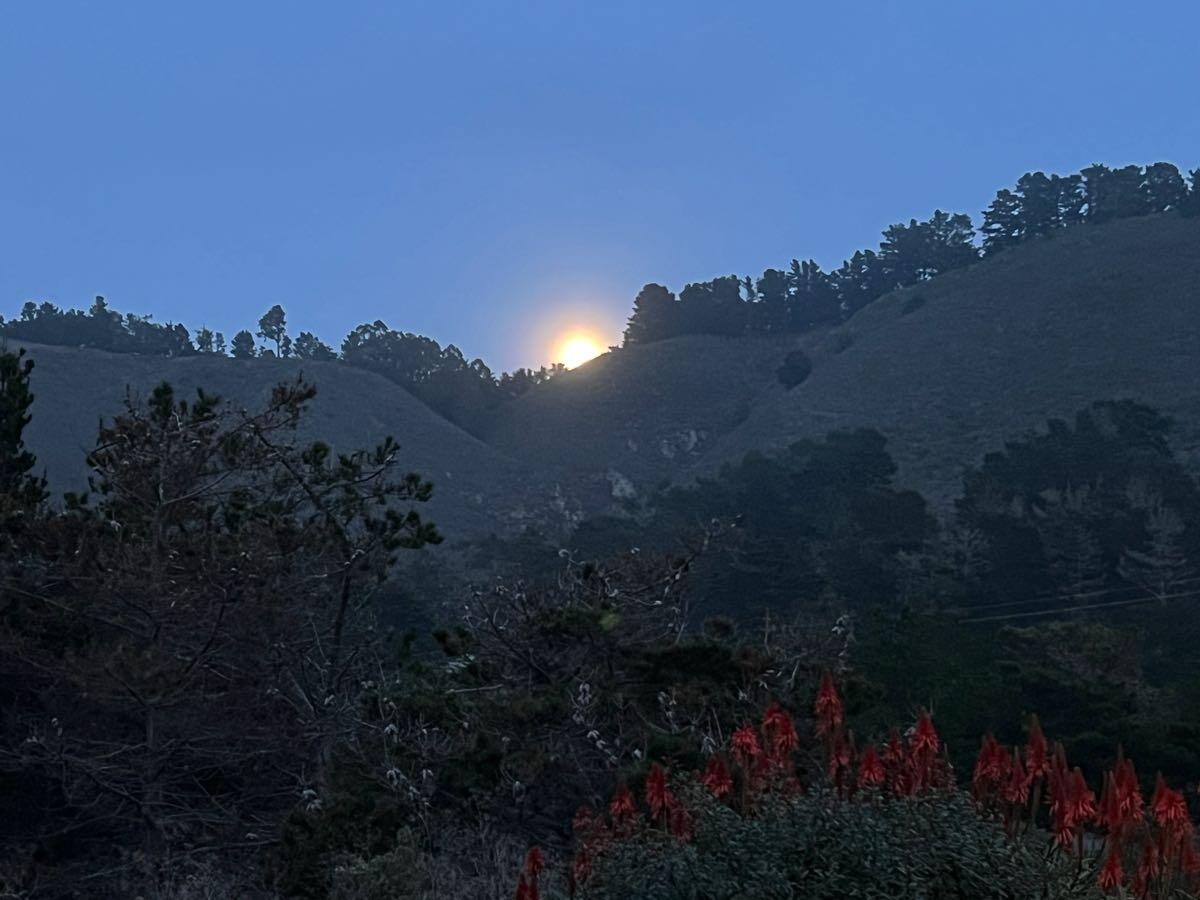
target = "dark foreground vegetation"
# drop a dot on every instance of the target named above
(198, 701)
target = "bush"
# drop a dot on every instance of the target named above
(912, 304)
(796, 367)
(818, 845)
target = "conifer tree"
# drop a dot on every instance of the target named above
(655, 316)
(273, 327)
(1002, 222)
(16, 462)
(243, 345)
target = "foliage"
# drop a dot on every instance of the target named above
(763, 820)
(186, 647)
(18, 486)
(99, 327)
(804, 298)
(795, 368)
(1064, 511)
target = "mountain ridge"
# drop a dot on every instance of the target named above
(947, 370)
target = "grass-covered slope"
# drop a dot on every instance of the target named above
(947, 370)
(476, 489)
(952, 368)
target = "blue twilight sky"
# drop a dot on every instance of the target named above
(491, 174)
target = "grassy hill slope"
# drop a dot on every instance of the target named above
(1096, 312)
(947, 370)
(476, 489)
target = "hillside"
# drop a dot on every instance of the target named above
(1095, 312)
(476, 489)
(947, 370)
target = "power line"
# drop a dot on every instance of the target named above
(1082, 608)
(1053, 598)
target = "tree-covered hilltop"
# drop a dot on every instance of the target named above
(794, 300)
(802, 297)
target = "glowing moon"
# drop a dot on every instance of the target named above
(576, 349)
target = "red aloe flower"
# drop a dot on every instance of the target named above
(1111, 874)
(828, 706)
(870, 768)
(1017, 789)
(621, 807)
(992, 768)
(924, 738)
(923, 746)
(1036, 761)
(534, 863)
(779, 733)
(746, 749)
(527, 883)
(1168, 806)
(658, 795)
(681, 822)
(1129, 793)
(1082, 805)
(716, 778)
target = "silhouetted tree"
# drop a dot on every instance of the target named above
(921, 250)
(205, 341)
(1039, 204)
(655, 316)
(273, 327)
(1164, 187)
(243, 345)
(1071, 199)
(308, 346)
(812, 297)
(19, 489)
(1002, 226)
(1114, 193)
(860, 280)
(1191, 204)
(713, 307)
(771, 308)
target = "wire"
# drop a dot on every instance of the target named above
(1087, 606)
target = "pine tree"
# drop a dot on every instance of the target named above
(1002, 222)
(1071, 199)
(1162, 565)
(308, 346)
(770, 310)
(204, 340)
(273, 327)
(18, 486)
(243, 345)
(655, 316)
(1163, 187)
(1039, 203)
(1190, 206)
